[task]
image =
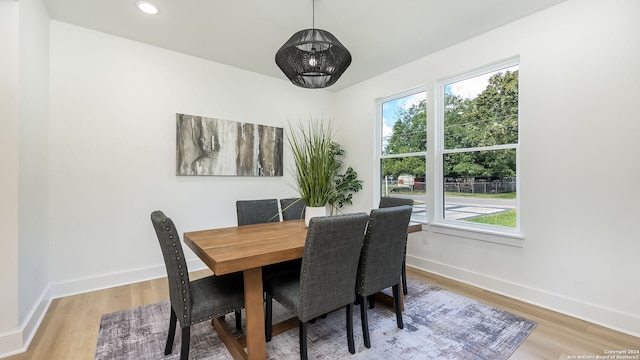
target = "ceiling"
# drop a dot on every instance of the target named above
(380, 35)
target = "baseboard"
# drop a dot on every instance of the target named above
(609, 318)
(101, 282)
(11, 344)
(18, 341)
(107, 281)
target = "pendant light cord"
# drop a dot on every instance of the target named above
(313, 15)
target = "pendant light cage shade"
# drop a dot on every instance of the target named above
(313, 58)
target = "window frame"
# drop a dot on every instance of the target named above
(377, 153)
(438, 223)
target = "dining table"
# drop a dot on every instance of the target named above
(247, 249)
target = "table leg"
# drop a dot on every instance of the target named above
(254, 307)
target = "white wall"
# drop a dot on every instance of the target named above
(24, 112)
(579, 126)
(34, 159)
(9, 60)
(112, 152)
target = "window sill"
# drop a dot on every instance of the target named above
(506, 237)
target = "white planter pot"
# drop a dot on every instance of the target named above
(311, 211)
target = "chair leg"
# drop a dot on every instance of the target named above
(268, 316)
(238, 321)
(303, 340)
(352, 348)
(405, 290)
(172, 332)
(372, 301)
(365, 322)
(397, 306)
(186, 341)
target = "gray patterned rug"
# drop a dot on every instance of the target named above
(438, 324)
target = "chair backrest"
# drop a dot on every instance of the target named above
(177, 272)
(386, 202)
(383, 249)
(292, 209)
(257, 211)
(329, 263)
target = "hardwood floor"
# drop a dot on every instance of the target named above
(70, 327)
(557, 336)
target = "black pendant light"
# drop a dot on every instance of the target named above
(313, 58)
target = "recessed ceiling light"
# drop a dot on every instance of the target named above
(147, 7)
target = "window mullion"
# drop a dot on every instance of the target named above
(480, 148)
(393, 156)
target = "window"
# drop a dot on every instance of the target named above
(478, 149)
(402, 149)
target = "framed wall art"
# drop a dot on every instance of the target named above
(208, 146)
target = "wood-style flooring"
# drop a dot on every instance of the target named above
(70, 327)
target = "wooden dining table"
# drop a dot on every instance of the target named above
(248, 248)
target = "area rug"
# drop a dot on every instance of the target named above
(438, 324)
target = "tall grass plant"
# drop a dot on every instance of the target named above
(315, 167)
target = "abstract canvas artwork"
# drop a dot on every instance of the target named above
(208, 146)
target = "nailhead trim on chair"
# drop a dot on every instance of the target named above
(184, 300)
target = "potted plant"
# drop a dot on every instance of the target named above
(317, 168)
(345, 184)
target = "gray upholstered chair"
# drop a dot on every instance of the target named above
(257, 211)
(194, 301)
(381, 259)
(263, 211)
(327, 278)
(386, 202)
(292, 209)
